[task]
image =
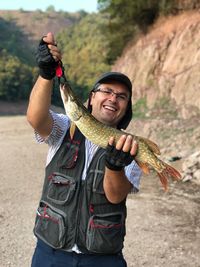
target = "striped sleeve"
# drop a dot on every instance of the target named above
(60, 125)
(133, 173)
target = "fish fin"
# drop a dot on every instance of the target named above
(144, 167)
(172, 172)
(153, 146)
(164, 180)
(72, 130)
(168, 172)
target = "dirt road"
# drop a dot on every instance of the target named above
(163, 229)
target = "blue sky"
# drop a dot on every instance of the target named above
(65, 5)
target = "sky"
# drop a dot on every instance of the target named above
(65, 5)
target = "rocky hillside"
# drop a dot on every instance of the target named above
(164, 65)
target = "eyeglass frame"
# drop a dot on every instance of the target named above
(110, 92)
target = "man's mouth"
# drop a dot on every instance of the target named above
(111, 108)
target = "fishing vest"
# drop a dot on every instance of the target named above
(75, 211)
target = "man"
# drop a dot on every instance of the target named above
(81, 216)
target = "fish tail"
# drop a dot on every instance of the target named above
(164, 180)
(168, 172)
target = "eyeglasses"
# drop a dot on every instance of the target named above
(108, 92)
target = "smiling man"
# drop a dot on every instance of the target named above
(110, 99)
(81, 216)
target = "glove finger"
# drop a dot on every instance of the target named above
(128, 158)
(114, 153)
(111, 154)
(44, 54)
(109, 148)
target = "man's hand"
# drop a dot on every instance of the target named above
(116, 184)
(47, 57)
(122, 154)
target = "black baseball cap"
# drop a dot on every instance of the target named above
(115, 76)
(122, 78)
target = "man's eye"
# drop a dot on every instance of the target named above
(107, 92)
(122, 97)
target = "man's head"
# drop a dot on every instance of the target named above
(110, 100)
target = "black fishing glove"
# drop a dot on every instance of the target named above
(116, 159)
(46, 62)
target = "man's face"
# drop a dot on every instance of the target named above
(109, 103)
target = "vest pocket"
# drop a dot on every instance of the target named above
(50, 227)
(105, 233)
(97, 186)
(61, 188)
(98, 195)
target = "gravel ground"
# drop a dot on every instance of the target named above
(163, 229)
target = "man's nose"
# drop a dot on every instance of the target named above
(113, 97)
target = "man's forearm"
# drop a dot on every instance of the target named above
(39, 104)
(116, 185)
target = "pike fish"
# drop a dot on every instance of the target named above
(99, 134)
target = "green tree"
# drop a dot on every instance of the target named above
(14, 41)
(15, 78)
(84, 52)
(50, 9)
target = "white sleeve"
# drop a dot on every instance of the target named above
(60, 125)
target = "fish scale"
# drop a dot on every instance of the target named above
(99, 134)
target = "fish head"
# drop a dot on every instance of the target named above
(71, 104)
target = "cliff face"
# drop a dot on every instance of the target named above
(165, 64)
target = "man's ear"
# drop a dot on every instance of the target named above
(91, 98)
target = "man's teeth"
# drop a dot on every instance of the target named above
(110, 108)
